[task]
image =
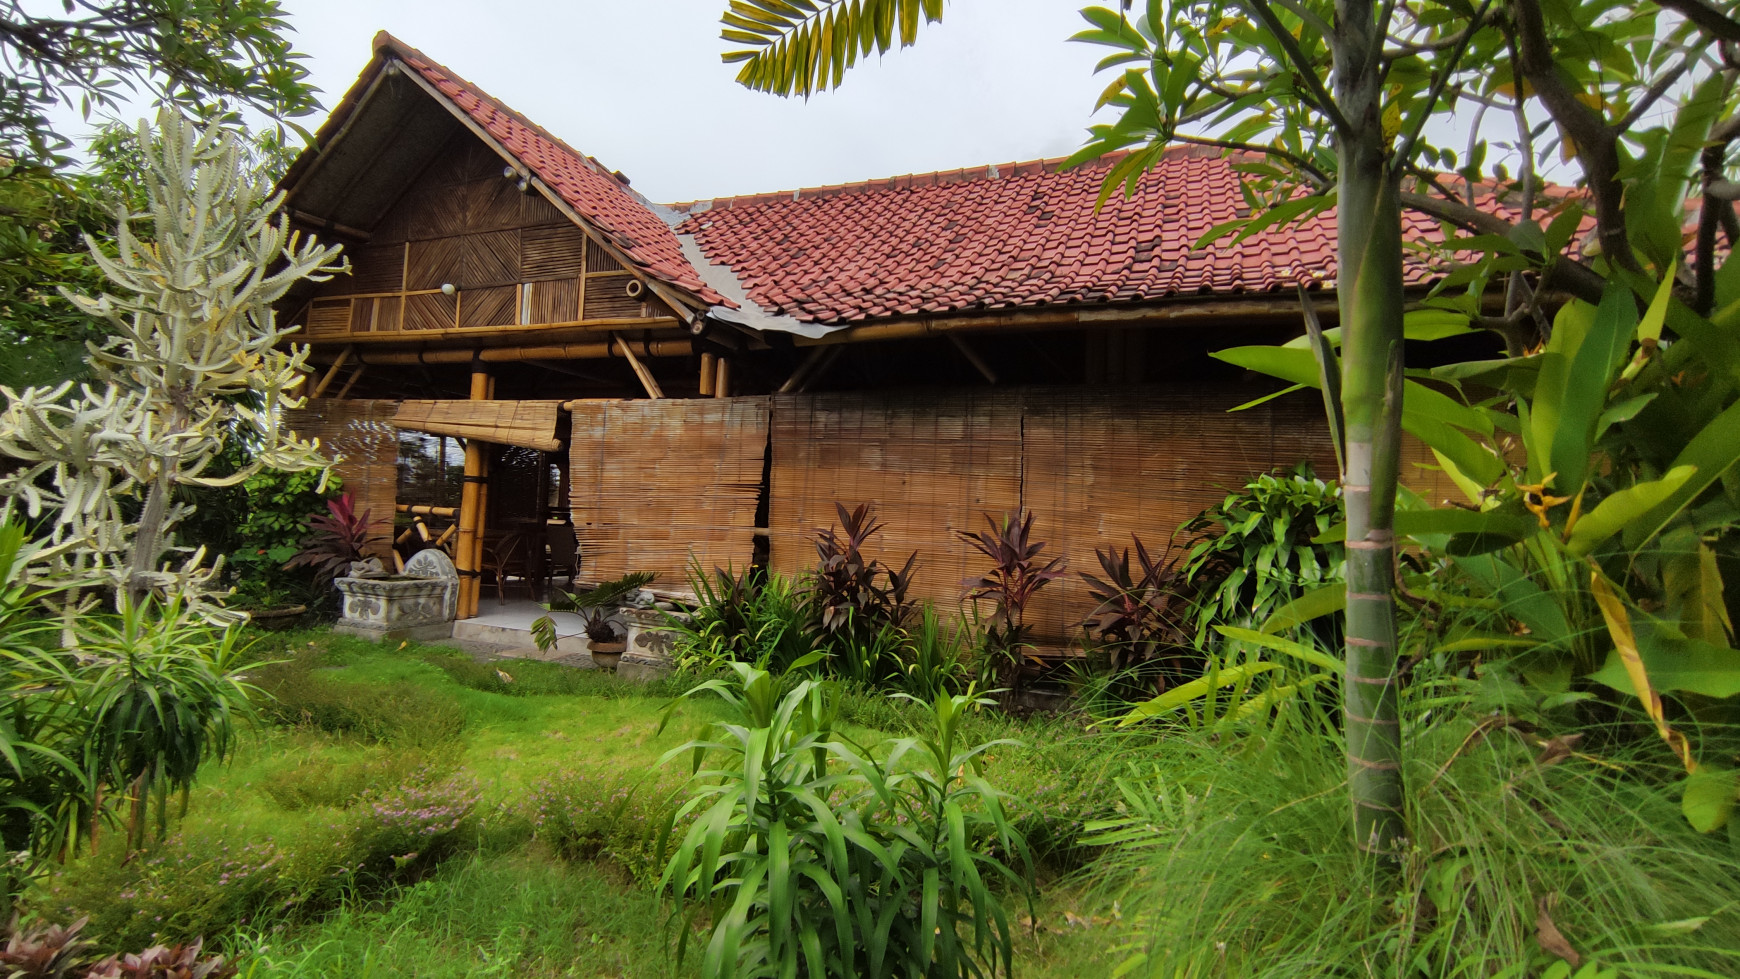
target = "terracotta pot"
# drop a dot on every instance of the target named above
(605, 655)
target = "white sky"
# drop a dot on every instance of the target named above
(639, 85)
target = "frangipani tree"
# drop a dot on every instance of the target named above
(194, 361)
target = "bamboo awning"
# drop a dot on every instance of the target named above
(531, 424)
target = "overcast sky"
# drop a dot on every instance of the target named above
(639, 85)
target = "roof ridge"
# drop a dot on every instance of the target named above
(937, 178)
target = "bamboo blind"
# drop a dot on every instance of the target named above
(1093, 466)
(656, 482)
(531, 424)
(363, 435)
(931, 463)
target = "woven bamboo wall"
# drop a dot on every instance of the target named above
(363, 434)
(931, 462)
(655, 482)
(1094, 466)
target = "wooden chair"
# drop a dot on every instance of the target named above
(564, 552)
(502, 554)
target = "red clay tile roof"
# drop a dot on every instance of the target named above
(597, 195)
(964, 240)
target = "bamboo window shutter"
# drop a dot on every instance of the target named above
(362, 433)
(657, 483)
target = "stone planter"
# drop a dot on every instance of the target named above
(606, 655)
(396, 607)
(649, 645)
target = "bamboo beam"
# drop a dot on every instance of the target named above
(707, 377)
(331, 372)
(805, 368)
(466, 554)
(973, 357)
(640, 371)
(826, 364)
(722, 384)
(420, 510)
(496, 355)
(1155, 315)
(350, 382)
(477, 543)
(324, 224)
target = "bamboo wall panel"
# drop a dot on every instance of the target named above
(529, 424)
(655, 483)
(494, 306)
(375, 314)
(932, 463)
(433, 263)
(1094, 467)
(606, 298)
(1101, 465)
(490, 258)
(553, 301)
(430, 311)
(328, 318)
(552, 252)
(599, 260)
(362, 434)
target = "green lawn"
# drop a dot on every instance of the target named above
(255, 864)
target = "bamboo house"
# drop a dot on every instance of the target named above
(527, 353)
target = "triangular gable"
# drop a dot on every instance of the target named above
(614, 216)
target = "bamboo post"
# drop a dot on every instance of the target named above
(350, 382)
(973, 357)
(722, 385)
(646, 379)
(470, 513)
(331, 372)
(707, 370)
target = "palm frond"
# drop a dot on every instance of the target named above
(802, 46)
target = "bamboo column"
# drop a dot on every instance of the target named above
(707, 370)
(467, 553)
(722, 381)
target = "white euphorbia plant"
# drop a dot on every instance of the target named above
(194, 362)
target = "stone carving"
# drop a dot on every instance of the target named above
(396, 608)
(369, 568)
(433, 563)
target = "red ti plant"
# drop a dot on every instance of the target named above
(1141, 618)
(1015, 577)
(847, 587)
(338, 537)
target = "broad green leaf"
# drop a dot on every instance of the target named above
(1618, 510)
(1712, 452)
(1297, 650)
(1199, 687)
(1294, 365)
(1709, 797)
(1590, 371)
(1674, 663)
(1314, 604)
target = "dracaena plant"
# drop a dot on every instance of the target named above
(337, 538)
(1015, 576)
(849, 591)
(1143, 614)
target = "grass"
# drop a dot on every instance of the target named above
(1212, 854)
(255, 865)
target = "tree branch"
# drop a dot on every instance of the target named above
(1423, 111)
(1650, 97)
(1306, 69)
(1597, 143)
(1573, 276)
(1709, 19)
(1317, 176)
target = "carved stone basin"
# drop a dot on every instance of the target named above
(410, 606)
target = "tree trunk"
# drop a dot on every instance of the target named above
(1369, 287)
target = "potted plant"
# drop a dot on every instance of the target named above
(605, 640)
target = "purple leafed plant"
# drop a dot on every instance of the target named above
(1139, 617)
(336, 538)
(847, 587)
(1016, 575)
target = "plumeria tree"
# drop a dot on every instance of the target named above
(196, 359)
